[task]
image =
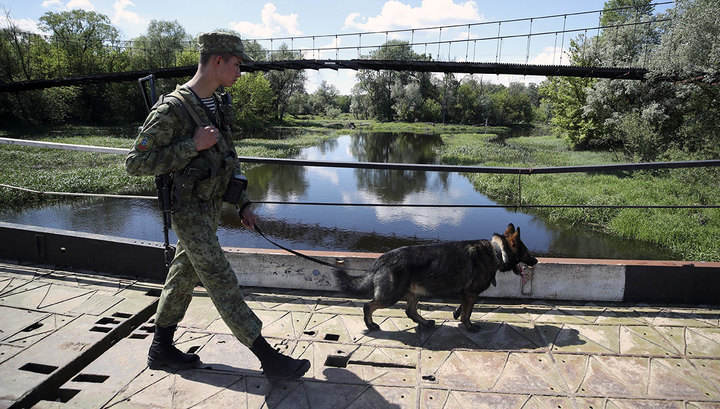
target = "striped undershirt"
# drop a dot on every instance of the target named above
(210, 103)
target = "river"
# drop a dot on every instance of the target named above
(349, 228)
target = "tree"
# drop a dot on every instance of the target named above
(343, 103)
(19, 50)
(298, 104)
(683, 115)
(620, 11)
(567, 97)
(161, 45)
(691, 46)
(359, 102)
(323, 98)
(252, 101)
(407, 101)
(377, 85)
(285, 83)
(80, 38)
(468, 104)
(518, 104)
(649, 119)
(448, 95)
(16, 46)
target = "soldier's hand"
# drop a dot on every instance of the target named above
(206, 137)
(248, 218)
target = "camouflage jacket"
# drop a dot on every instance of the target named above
(165, 145)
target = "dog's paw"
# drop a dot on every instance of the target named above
(428, 324)
(456, 313)
(470, 327)
(373, 327)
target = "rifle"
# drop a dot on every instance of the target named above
(162, 182)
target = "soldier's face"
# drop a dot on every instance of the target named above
(229, 71)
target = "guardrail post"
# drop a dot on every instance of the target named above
(519, 198)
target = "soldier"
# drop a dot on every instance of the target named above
(187, 134)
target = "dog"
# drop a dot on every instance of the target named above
(464, 268)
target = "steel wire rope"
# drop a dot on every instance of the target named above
(179, 71)
(130, 43)
(344, 204)
(399, 166)
(579, 13)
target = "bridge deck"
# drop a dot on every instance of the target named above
(628, 73)
(76, 340)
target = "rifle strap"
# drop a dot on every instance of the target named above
(196, 118)
(189, 109)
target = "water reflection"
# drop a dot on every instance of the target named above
(394, 147)
(394, 186)
(375, 229)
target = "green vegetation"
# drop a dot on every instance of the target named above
(64, 171)
(281, 148)
(84, 172)
(84, 42)
(691, 233)
(648, 120)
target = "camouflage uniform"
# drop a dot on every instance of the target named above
(165, 145)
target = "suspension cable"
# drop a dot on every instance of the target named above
(411, 205)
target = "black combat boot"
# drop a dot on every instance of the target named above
(164, 355)
(277, 366)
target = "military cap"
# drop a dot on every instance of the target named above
(218, 42)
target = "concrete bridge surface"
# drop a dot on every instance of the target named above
(79, 340)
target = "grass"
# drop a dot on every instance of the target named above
(427, 127)
(347, 121)
(64, 171)
(84, 172)
(281, 148)
(690, 233)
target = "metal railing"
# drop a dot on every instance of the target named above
(519, 171)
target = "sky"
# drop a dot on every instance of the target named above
(327, 18)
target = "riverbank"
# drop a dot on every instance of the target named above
(691, 233)
(71, 171)
(688, 232)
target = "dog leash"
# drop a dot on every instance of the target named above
(306, 257)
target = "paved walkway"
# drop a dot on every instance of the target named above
(76, 340)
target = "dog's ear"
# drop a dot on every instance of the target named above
(510, 230)
(517, 233)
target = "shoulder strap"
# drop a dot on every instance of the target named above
(193, 114)
(190, 110)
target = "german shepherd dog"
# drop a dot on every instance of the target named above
(464, 268)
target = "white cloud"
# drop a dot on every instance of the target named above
(272, 24)
(342, 79)
(130, 22)
(71, 4)
(328, 174)
(350, 19)
(395, 14)
(424, 217)
(23, 24)
(52, 3)
(80, 4)
(123, 16)
(551, 56)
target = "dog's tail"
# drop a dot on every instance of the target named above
(353, 284)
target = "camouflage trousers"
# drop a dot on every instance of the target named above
(199, 257)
